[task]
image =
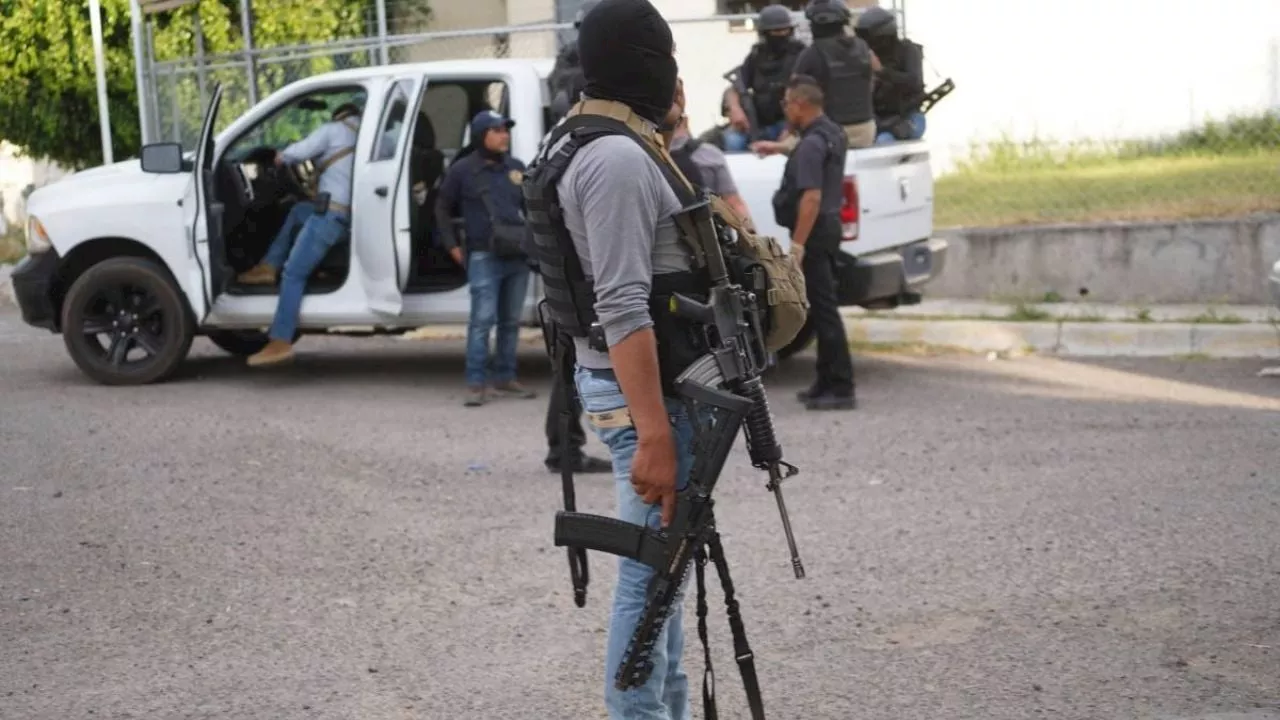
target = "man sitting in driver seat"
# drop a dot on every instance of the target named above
(330, 146)
(324, 139)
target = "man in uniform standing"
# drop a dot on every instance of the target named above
(808, 203)
(484, 188)
(764, 71)
(602, 214)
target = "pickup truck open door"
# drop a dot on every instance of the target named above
(381, 202)
(202, 216)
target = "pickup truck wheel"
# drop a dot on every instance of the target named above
(124, 322)
(799, 342)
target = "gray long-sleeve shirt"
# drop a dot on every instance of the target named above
(619, 211)
(320, 145)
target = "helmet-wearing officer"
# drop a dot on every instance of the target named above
(900, 80)
(764, 72)
(843, 65)
(566, 80)
(602, 203)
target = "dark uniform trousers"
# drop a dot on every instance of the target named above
(835, 364)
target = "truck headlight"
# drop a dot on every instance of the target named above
(37, 239)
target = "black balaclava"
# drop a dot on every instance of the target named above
(827, 30)
(626, 51)
(777, 45)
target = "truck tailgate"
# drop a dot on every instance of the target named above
(894, 185)
(895, 196)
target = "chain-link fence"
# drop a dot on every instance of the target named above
(1069, 153)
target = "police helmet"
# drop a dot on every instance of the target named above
(875, 22)
(774, 17)
(827, 12)
(583, 9)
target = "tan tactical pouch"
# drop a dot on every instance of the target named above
(787, 300)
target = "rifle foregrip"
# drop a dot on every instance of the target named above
(597, 532)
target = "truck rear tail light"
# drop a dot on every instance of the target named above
(849, 212)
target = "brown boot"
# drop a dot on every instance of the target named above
(260, 274)
(276, 351)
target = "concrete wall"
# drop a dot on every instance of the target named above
(1212, 261)
(15, 174)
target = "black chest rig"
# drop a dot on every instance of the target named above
(569, 294)
(769, 80)
(848, 91)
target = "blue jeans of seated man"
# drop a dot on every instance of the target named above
(916, 119)
(738, 141)
(278, 252)
(498, 289)
(665, 695)
(318, 235)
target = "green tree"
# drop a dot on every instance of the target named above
(49, 106)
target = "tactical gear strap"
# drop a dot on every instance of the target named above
(560, 345)
(741, 650)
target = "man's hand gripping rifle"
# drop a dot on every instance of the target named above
(722, 391)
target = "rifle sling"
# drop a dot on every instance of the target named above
(741, 650)
(563, 366)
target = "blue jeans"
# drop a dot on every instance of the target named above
(917, 122)
(737, 141)
(665, 695)
(318, 235)
(498, 289)
(278, 252)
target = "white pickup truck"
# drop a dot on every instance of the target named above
(131, 261)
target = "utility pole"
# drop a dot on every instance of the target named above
(139, 71)
(99, 63)
(383, 55)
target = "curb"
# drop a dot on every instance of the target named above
(1081, 339)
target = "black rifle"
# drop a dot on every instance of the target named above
(747, 100)
(722, 392)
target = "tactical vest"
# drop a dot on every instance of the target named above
(848, 90)
(569, 294)
(769, 79)
(786, 199)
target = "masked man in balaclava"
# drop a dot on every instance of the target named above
(603, 221)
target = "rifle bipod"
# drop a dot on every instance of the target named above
(741, 650)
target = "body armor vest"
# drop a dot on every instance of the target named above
(769, 79)
(569, 294)
(848, 90)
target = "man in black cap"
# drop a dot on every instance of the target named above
(602, 213)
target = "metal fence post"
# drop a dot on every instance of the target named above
(139, 72)
(383, 55)
(201, 76)
(251, 67)
(104, 113)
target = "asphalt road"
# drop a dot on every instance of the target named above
(1004, 539)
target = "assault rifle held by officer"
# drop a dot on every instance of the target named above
(670, 332)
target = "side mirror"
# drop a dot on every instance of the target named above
(163, 158)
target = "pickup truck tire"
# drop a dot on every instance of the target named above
(799, 342)
(124, 322)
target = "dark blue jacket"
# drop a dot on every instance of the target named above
(460, 195)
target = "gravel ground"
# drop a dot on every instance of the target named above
(341, 539)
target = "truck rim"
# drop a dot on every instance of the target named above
(130, 318)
